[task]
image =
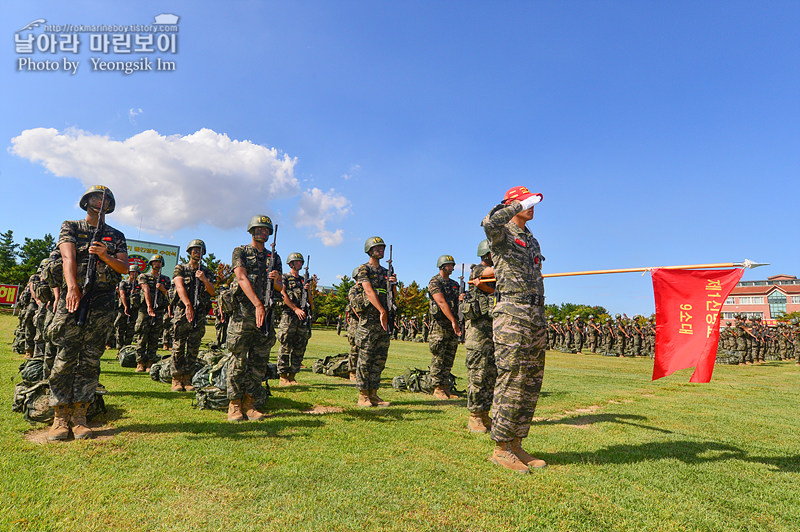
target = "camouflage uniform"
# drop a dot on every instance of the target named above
(442, 340)
(76, 369)
(149, 328)
(53, 275)
(187, 337)
(481, 367)
(293, 334)
(356, 306)
(248, 344)
(220, 320)
(371, 339)
(29, 322)
(519, 323)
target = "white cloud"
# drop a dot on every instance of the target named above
(330, 239)
(133, 113)
(175, 182)
(354, 168)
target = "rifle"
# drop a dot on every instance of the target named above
(196, 298)
(390, 304)
(268, 303)
(91, 269)
(155, 299)
(461, 290)
(305, 304)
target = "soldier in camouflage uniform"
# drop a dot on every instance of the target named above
(594, 334)
(293, 330)
(443, 338)
(796, 339)
(129, 301)
(45, 296)
(481, 367)
(76, 370)
(29, 322)
(251, 328)
(150, 321)
(518, 326)
(194, 288)
(355, 305)
(621, 336)
(372, 334)
(220, 319)
(53, 275)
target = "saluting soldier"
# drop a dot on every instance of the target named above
(518, 327)
(293, 330)
(194, 287)
(372, 334)
(445, 330)
(251, 331)
(76, 369)
(150, 322)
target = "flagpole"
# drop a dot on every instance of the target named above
(746, 264)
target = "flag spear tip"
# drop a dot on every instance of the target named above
(750, 264)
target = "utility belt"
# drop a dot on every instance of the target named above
(536, 300)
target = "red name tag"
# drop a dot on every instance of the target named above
(106, 239)
(520, 242)
(536, 260)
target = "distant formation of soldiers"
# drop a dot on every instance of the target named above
(749, 341)
(622, 336)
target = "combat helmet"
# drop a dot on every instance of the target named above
(197, 243)
(445, 259)
(155, 258)
(372, 242)
(618, 316)
(259, 220)
(483, 247)
(98, 189)
(295, 256)
(355, 272)
(794, 321)
(134, 268)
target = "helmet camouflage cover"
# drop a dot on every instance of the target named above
(445, 259)
(98, 189)
(259, 220)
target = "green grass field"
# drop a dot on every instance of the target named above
(625, 453)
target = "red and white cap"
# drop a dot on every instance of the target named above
(521, 194)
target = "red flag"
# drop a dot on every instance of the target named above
(688, 303)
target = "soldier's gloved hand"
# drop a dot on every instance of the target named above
(530, 201)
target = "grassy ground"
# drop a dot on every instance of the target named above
(624, 453)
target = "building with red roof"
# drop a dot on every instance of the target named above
(769, 299)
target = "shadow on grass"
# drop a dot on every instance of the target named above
(622, 419)
(219, 427)
(393, 413)
(688, 452)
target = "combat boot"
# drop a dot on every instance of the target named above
(140, 367)
(177, 384)
(375, 400)
(249, 407)
(60, 429)
(235, 411)
(186, 380)
(475, 423)
(284, 380)
(503, 456)
(292, 382)
(353, 376)
(363, 398)
(487, 420)
(440, 393)
(525, 458)
(80, 428)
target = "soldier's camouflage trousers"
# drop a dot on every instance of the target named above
(373, 348)
(38, 322)
(121, 328)
(250, 349)
(293, 336)
(443, 344)
(186, 344)
(519, 341)
(76, 368)
(351, 337)
(621, 344)
(221, 330)
(481, 366)
(148, 336)
(29, 325)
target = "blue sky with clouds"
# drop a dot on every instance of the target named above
(659, 133)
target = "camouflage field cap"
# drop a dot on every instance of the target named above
(445, 259)
(483, 247)
(259, 220)
(519, 193)
(197, 243)
(155, 258)
(295, 256)
(98, 189)
(372, 242)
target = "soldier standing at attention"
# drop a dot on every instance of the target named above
(123, 321)
(372, 334)
(293, 331)
(251, 329)
(355, 305)
(518, 328)
(481, 367)
(150, 323)
(445, 331)
(189, 314)
(76, 370)
(220, 319)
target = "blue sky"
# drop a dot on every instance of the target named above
(659, 133)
